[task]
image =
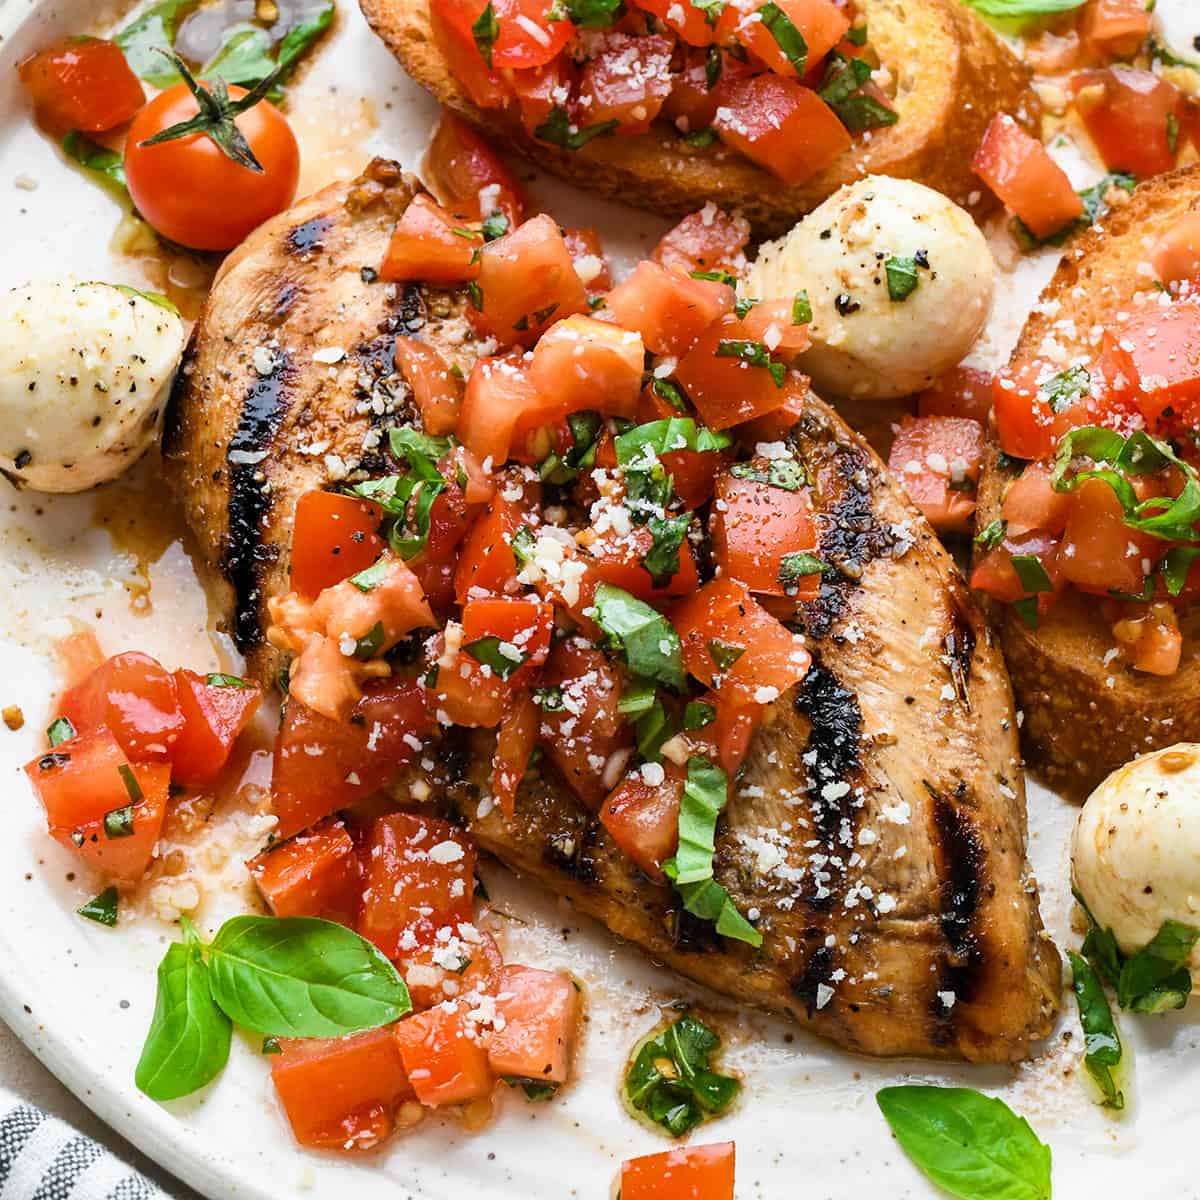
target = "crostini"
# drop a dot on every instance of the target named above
(764, 108)
(1086, 531)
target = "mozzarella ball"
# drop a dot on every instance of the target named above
(875, 338)
(1136, 850)
(85, 369)
(1177, 29)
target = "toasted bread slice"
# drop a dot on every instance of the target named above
(953, 75)
(1083, 717)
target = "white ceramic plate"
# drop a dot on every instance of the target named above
(81, 996)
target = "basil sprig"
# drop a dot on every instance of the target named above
(972, 1145)
(671, 1082)
(408, 499)
(1101, 1041)
(148, 34)
(295, 977)
(646, 639)
(100, 160)
(666, 436)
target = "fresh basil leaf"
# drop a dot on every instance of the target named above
(370, 644)
(992, 534)
(794, 567)
(754, 354)
(714, 65)
(856, 35)
(490, 651)
(671, 392)
(119, 822)
(637, 698)
(712, 10)
(1020, 13)
(548, 699)
(1094, 200)
(370, 578)
(1027, 609)
(244, 58)
(902, 278)
(704, 795)
(787, 37)
(154, 297)
(302, 977)
(102, 908)
(724, 654)
(1031, 574)
(843, 77)
(972, 1145)
(665, 436)
(558, 130)
(1100, 946)
(1101, 1041)
(650, 646)
(96, 158)
(802, 313)
(711, 902)
(522, 544)
(1156, 978)
(698, 714)
(228, 681)
(653, 729)
(188, 1042)
(407, 500)
(662, 559)
(495, 225)
(485, 31)
(61, 730)
(153, 31)
(1176, 566)
(716, 277)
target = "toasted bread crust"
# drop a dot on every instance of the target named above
(953, 76)
(1084, 718)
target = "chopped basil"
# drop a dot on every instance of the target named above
(485, 31)
(558, 130)
(794, 567)
(842, 90)
(1100, 946)
(1066, 389)
(534, 1089)
(119, 822)
(755, 354)
(653, 729)
(1176, 566)
(61, 730)
(100, 160)
(1031, 574)
(585, 429)
(712, 10)
(154, 297)
(1156, 978)
(130, 780)
(1101, 1041)
(787, 474)
(475, 296)
(408, 499)
(992, 534)
(672, 393)
(495, 225)
(787, 37)
(1172, 132)
(747, 470)
(1095, 204)
(856, 35)
(588, 14)
(490, 651)
(665, 436)
(723, 654)
(670, 1080)
(698, 714)
(701, 137)
(648, 490)
(716, 277)
(270, 1045)
(742, 306)
(523, 542)
(1027, 610)
(150, 33)
(902, 278)
(229, 681)
(370, 644)
(662, 559)
(637, 699)
(650, 646)
(549, 699)
(371, 578)
(802, 313)
(102, 908)
(714, 64)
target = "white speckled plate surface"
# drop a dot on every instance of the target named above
(81, 996)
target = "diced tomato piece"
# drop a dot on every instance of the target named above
(587, 254)
(1019, 169)
(684, 18)
(472, 177)
(420, 877)
(1176, 255)
(136, 698)
(669, 309)
(1133, 117)
(1099, 552)
(527, 281)
(1160, 347)
(425, 246)
(821, 23)
(214, 715)
(995, 574)
(322, 765)
(487, 563)
(619, 559)
(774, 426)
(938, 460)
(643, 818)
(541, 1013)
(459, 691)
(82, 83)
(708, 240)
(437, 561)
(499, 393)
(1115, 28)
(333, 537)
(1025, 423)
(540, 90)
(314, 874)
(726, 739)
(770, 322)
(1158, 647)
(780, 125)
(755, 526)
(515, 744)
(960, 392)
(107, 810)
(1031, 503)
(581, 363)
(733, 645)
(693, 472)
(526, 38)
(523, 627)
(444, 1062)
(583, 735)
(340, 1093)
(690, 1173)
(726, 388)
(626, 82)
(437, 393)
(454, 39)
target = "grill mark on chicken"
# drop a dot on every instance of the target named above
(960, 649)
(817, 971)
(309, 236)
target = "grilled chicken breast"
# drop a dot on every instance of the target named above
(876, 835)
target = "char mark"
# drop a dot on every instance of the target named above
(817, 971)
(310, 235)
(691, 935)
(246, 554)
(834, 743)
(959, 644)
(572, 851)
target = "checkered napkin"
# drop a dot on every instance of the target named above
(43, 1158)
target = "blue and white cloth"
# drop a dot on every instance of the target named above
(43, 1158)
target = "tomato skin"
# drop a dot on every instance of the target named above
(643, 818)
(434, 566)
(515, 743)
(340, 1093)
(136, 698)
(425, 248)
(960, 392)
(173, 184)
(438, 394)
(453, 38)
(1176, 256)
(780, 125)
(333, 537)
(1099, 552)
(1159, 347)
(500, 391)
(1032, 504)
(81, 83)
(467, 171)
(1114, 28)
(995, 575)
(689, 1173)
(581, 363)
(726, 739)
(669, 309)
(462, 693)
(214, 716)
(1019, 169)
(541, 1012)
(314, 874)
(445, 1065)
(821, 23)
(1025, 425)
(487, 563)
(618, 559)
(1126, 112)
(525, 624)
(687, 20)
(517, 46)
(80, 781)
(609, 90)
(708, 240)
(930, 453)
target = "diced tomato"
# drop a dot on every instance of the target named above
(429, 245)
(1031, 503)
(581, 363)
(1158, 645)
(960, 392)
(214, 715)
(587, 254)
(437, 393)
(643, 818)
(1025, 424)
(995, 574)
(456, 42)
(619, 559)
(755, 526)
(499, 393)
(340, 1093)
(626, 82)
(1176, 255)
(686, 19)
(333, 537)
(472, 177)
(515, 744)
(1133, 117)
(669, 309)
(522, 626)
(689, 1173)
(444, 1062)
(487, 563)
(708, 240)
(540, 90)
(322, 765)
(136, 698)
(526, 38)
(82, 83)
(780, 125)
(1160, 347)
(1019, 169)
(938, 460)
(461, 692)
(420, 877)
(107, 810)
(733, 645)
(314, 874)
(774, 426)
(1114, 28)
(582, 737)
(693, 472)
(770, 322)
(1099, 552)
(821, 23)
(726, 388)
(435, 564)
(541, 1013)
(726, 739)
(527, 281)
